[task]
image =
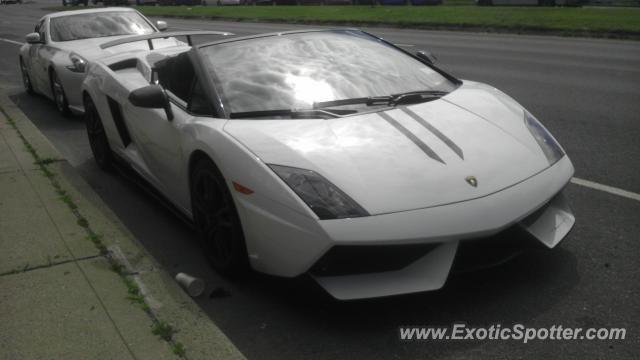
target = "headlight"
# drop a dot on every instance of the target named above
(548, 144)
(78, 64)
(324, 198)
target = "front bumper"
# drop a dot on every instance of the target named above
(549, 225)
(295, 247)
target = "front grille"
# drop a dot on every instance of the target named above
(356, 259)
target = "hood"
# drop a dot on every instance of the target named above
(405, 158)
(90, 48)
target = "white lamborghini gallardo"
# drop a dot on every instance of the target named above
(331, 153)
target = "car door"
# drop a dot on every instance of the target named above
(158, 139)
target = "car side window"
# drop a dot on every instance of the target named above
(40, 30)
(176, 75)
(198, 104)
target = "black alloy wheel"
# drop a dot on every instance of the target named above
(97, 136)
(26, 80)
(58, 95)
(216, 220)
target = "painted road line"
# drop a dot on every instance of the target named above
(606, 188)
(11, 41)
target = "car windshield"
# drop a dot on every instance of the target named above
(302, 70)
(99, 24)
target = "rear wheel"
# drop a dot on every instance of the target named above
(216, 220)
(97, 136)
(58, 94)
(26, 80)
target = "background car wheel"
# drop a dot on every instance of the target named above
(97, 136)
(216, 220)
(26, 80)
(58, 94)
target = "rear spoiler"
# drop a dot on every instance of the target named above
(158, 35)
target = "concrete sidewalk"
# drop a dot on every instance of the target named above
(74, 284)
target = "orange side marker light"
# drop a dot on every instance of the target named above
(242, 189)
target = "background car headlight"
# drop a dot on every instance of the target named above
(548, 144)
(324, 198)
(78, 64)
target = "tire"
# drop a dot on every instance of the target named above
(97, 136)
(59, 96)
(26, 80)
(216, 220)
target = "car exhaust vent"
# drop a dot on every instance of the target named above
(356, 259)
(118, 119)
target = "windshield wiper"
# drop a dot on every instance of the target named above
(416, 96)
(292, 113)
(389, 100)
(319, 109)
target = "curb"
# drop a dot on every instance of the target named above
(172, 314)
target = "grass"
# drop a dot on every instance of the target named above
(591, 20)
(454, 14)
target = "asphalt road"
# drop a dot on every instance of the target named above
(587, 92)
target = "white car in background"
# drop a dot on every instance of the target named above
(54, 59)
(331, 153)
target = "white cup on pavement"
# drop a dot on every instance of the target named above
(192, 285)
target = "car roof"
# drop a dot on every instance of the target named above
(86, 11)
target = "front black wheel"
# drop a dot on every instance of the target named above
(58, 95)
(97, 136)
(216, 220)
(26, 80)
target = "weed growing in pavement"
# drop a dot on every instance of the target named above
(163, 330)
(178, 349)
(83, 222)
(46, 161)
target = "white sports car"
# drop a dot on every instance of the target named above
(53, 61)
(331, 153)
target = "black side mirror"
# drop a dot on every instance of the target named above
(426, 56)
(153, 97)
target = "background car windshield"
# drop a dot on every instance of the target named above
(101, 24)
(295, 70)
